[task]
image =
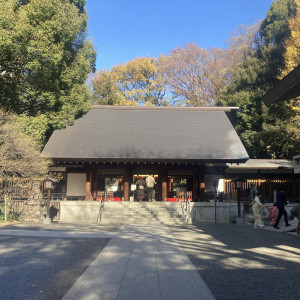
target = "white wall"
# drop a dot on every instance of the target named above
(76, 184)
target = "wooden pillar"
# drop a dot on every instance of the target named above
(159, 184)
(126, 183)
(201, 192)
(88, 183)
(130, 174)
(121, 184)
(94, 180)
(170, 184)
(194, 185)
(164, 184)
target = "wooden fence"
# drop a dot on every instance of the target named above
(266, 186)
(184, 195)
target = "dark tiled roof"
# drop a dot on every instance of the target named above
(264, 164)
(148, 134)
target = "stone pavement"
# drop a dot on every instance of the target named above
(147, 261)
(139, 262)
(239, 262)
(283, 228)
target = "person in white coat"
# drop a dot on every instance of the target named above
(150, 182)
(258, 208)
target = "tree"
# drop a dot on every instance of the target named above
(136, 82)
(265, 131)
(195, 76)
(188, 76)
(19, 154)
(189, 72)
(105, 88)
(45, 58)
(292, 60)
(241, 45)
(21, 167)
(292, 45)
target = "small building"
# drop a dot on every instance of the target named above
(267, 175)
(296, 164)
(110, 147)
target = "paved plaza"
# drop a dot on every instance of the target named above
(209, 261)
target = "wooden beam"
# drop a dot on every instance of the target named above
(159, 184)
(88, 183)
(164, 184)
(170, 184)
(194, 185)
(201, 181)
(94, 180)
(126, 183)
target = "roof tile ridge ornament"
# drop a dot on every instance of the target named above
(165, 108)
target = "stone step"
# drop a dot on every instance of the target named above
(147, 216)
(141, 204)
(144, 211)
(142, 221)
(141, 213)
(123, 216)
(169, 222)
(139, 207)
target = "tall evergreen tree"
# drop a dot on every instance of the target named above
(265, 131)
(45, 58)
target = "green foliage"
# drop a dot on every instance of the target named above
(267, 132)
(34, 126)
(105, 88)
(19, 153)
(274, 28)
(292, 45)
(45, 59)
(136, 82)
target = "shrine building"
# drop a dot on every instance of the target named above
(110, 147)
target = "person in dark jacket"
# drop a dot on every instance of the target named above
(281, 202)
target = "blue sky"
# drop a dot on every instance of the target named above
(125, 29)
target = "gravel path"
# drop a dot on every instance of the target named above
(238, 262)
(235, 261)
(42, 267)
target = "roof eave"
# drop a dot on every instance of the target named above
(164, 108)
(287, 88)
(147, 160)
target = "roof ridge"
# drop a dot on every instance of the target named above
(183, 108)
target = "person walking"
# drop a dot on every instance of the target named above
(150, 182)
(281, 202)
(272, 214)
(258, 208)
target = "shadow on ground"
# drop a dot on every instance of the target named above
(238, 262)
(43, 267)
